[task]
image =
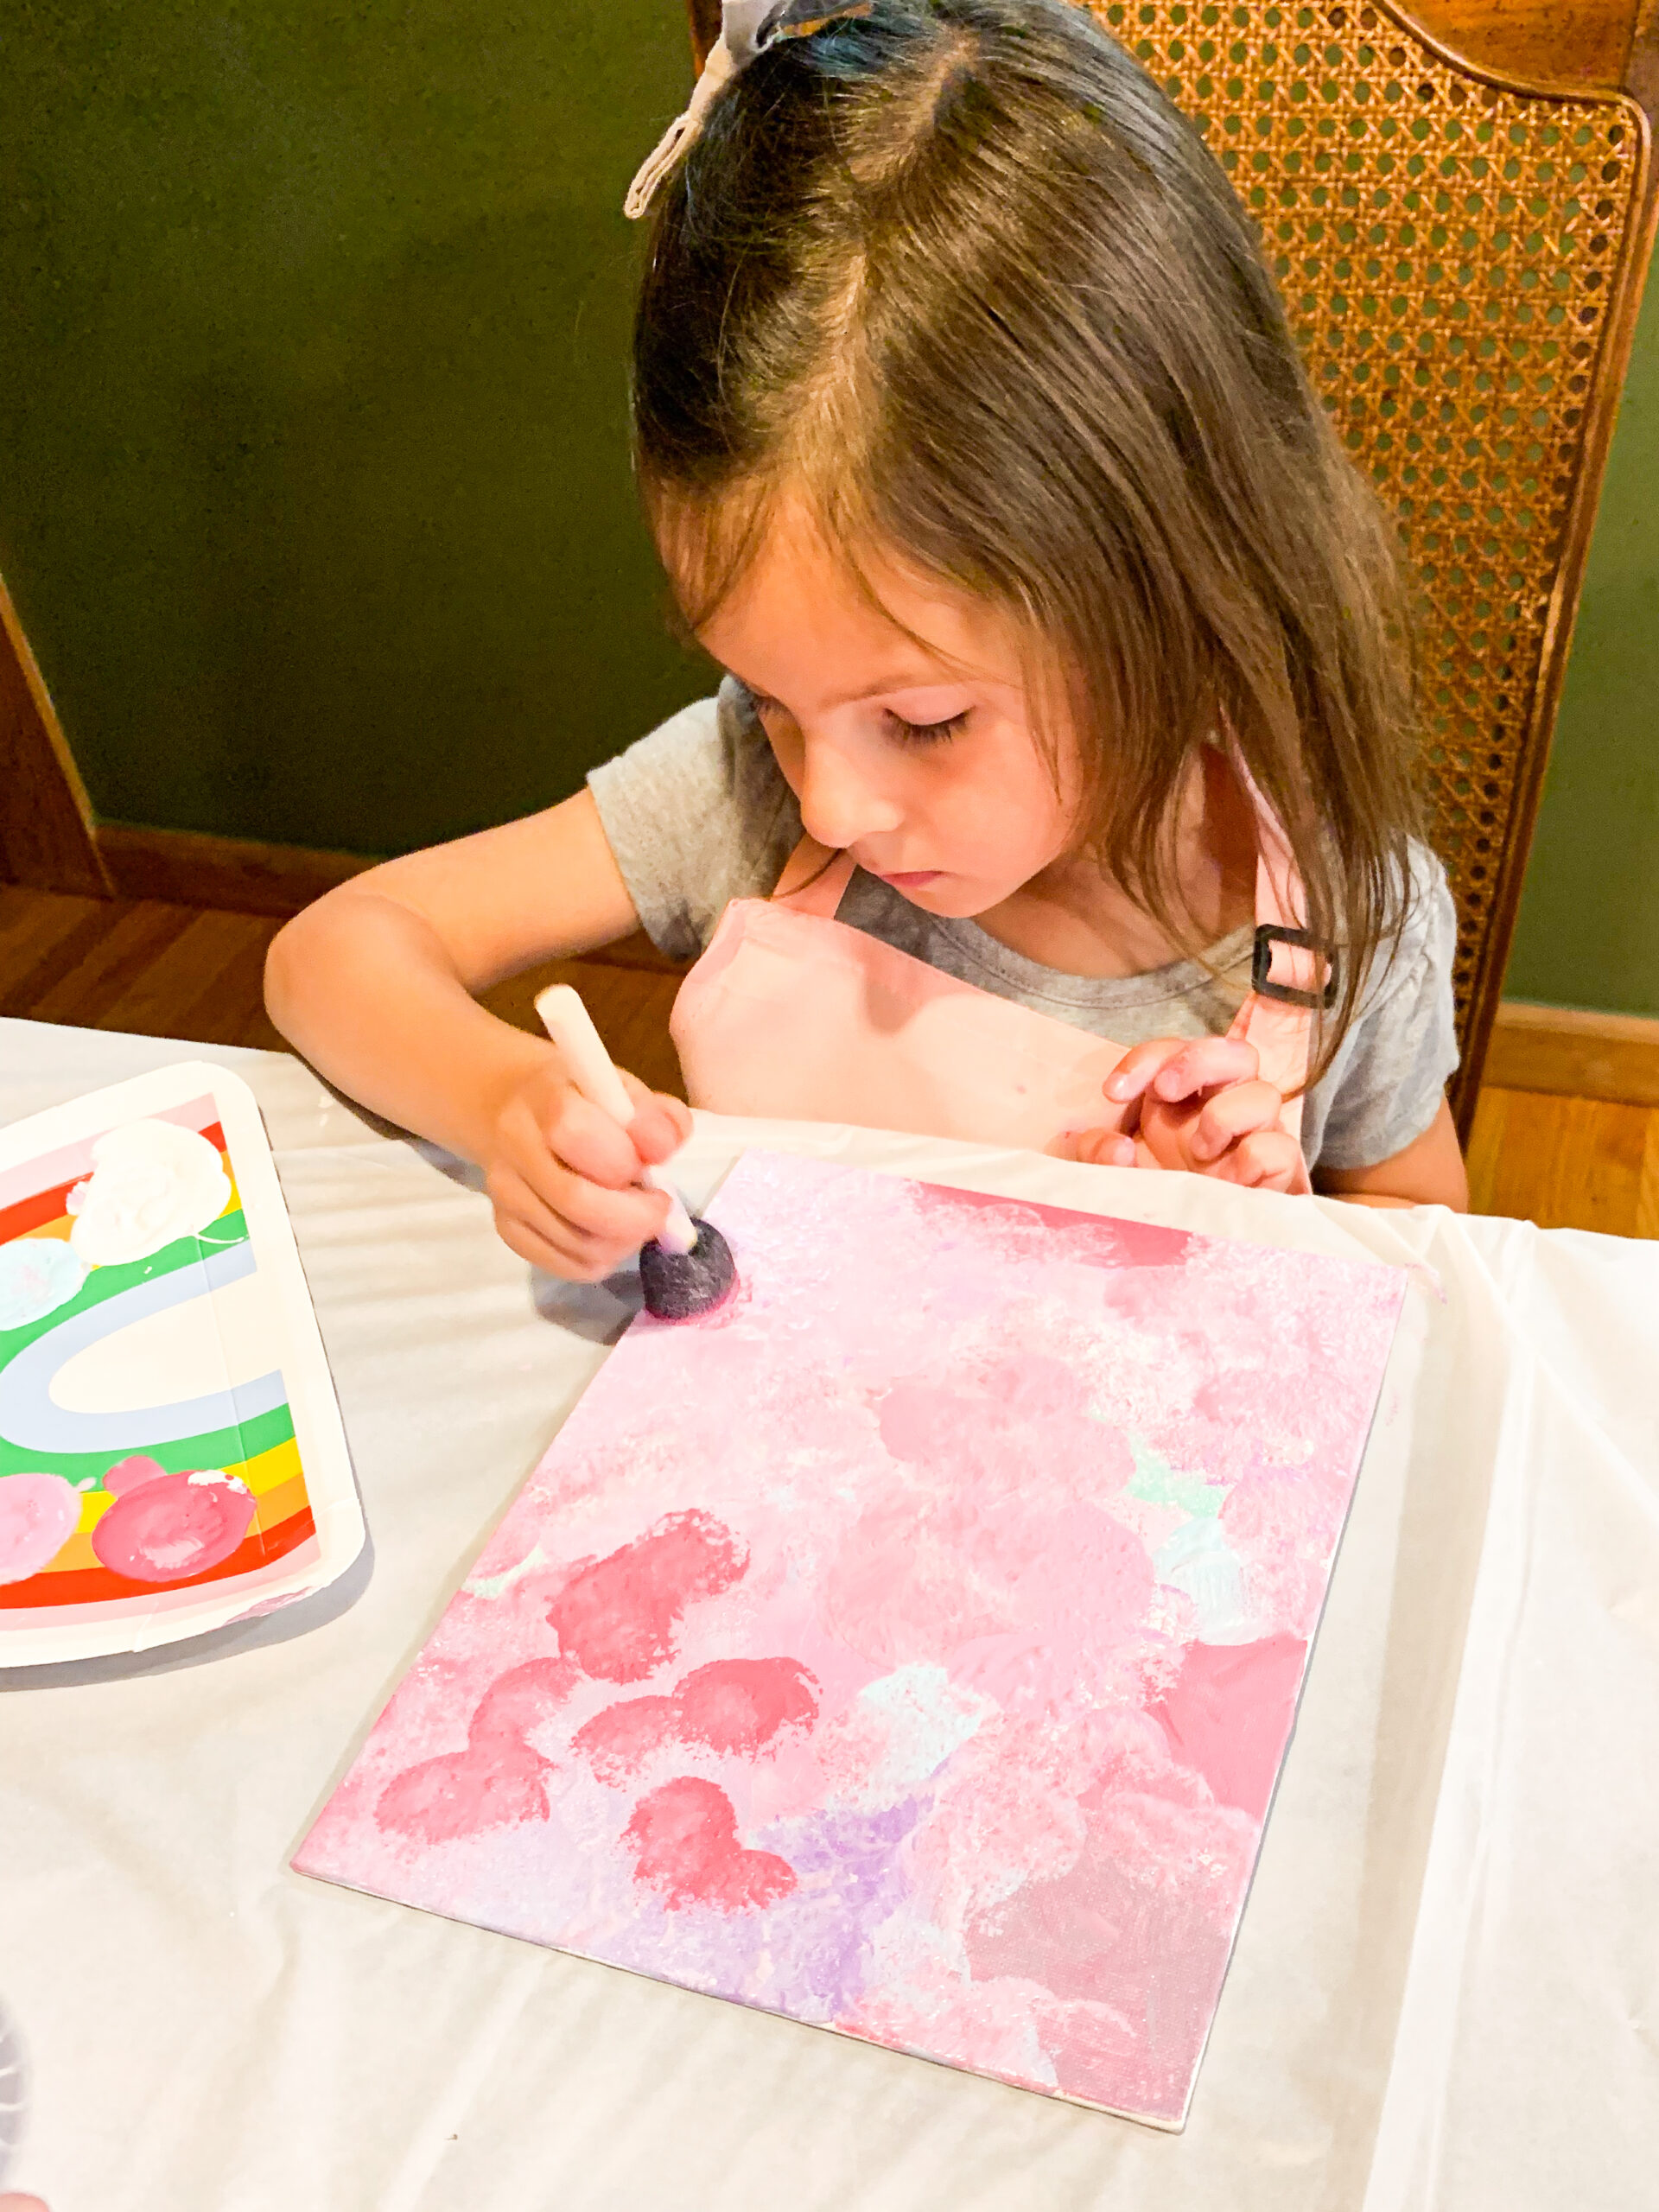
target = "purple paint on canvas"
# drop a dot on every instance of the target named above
(910, 1646)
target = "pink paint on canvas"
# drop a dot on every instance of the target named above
(910, 1647)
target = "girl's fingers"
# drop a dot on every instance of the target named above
(1104, 1148)
(661, 1124)
(1268, 1159)
(1206, 1064)
(522, 1211)
(573, 1260)
(552, 1259)
(625, 1218)
(565, 1181)
(1140, 1064)
(589, 1143)
(1233, 1114)
(1179, 1067)
(566, 1210)
(585, 1170)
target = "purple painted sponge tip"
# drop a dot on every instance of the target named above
(679, 1286)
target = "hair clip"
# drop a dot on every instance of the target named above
(805, 16)
(746, 28)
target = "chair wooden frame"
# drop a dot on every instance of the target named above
(1548, 109)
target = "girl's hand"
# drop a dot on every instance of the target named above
(561, 1175)
(1198, 1104)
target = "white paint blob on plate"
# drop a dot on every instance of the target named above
(152, 1183)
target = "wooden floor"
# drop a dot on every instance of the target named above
(197, 972)
(1567, 1163)
(193, 972)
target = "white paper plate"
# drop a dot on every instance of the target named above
(201, 1357)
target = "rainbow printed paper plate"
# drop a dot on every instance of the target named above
(171, 1454)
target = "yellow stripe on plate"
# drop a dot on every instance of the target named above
(94, 1504)
(267, 1471)
(280, 1504)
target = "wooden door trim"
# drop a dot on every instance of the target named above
(48, 841)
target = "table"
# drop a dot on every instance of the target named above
(1446, 1988)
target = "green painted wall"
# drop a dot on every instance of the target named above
(313, 493)
(314, 496)
(1589, 928)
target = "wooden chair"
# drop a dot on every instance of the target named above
(1459, 210)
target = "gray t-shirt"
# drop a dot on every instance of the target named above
(698, 813)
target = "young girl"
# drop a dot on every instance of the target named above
(1068, 705)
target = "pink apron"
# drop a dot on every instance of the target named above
(791, 1013)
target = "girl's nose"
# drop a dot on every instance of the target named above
(839, 802)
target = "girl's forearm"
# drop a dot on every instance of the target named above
(364, 989)
(1429, 1172)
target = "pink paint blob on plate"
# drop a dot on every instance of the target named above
(39, 1513)
(172, 1526)
(127, 1474)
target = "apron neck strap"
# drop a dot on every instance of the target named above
(815, 878)
(1278, 899)
(1289, 972)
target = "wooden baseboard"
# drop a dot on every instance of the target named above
(235, 875)
(231, 874)
(1609, 1056)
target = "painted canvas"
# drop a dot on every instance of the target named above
(159, 1370)
(910, 1646)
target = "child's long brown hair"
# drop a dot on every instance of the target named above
(957, 274)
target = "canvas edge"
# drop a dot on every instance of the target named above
(1163, 2127)
(1301, 1686)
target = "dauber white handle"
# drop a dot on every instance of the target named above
(570, 1025)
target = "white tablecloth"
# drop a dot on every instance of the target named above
(1446, 1994)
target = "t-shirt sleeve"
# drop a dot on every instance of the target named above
(696, 813)
(1391, 1070)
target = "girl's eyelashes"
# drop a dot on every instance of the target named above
(896, 725)
(924, 733)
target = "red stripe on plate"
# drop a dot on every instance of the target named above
(83, 1585)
